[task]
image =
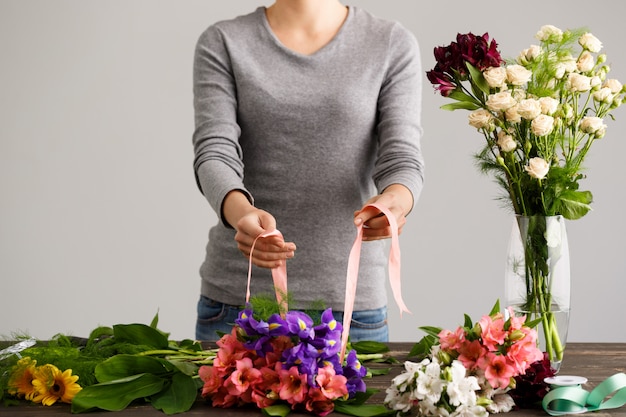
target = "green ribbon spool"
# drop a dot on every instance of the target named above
(575, 400)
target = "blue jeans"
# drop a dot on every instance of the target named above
(214, 317)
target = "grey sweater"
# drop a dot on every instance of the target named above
(309, 138)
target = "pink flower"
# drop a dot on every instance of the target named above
(524, 352)
(212, 381)
(318, 403)
(470, 353)
(242, 379)
(333, 386)
(517, 322)
(492, 331)
(497, 370)
(293, 385)
(452, 340)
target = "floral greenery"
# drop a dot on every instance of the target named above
(468, 371)
(287, 362)
(539, 114)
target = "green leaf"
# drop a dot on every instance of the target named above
(155, 321)
(460, 95)
(423, 347)
(468, 323)
(179, 396)
(379, 371)
(478, 78)
(278, 410)
(496, 308)
(574, 204)
(431, 330)
(121, 366)
(460, 105)
(363, 410)
(140, 334)
(367, 347)
(116, 395)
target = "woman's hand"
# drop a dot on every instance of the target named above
(250, 222)
(398, 199)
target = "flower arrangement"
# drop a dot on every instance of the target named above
(539, 114)
(286, 363)
(468, 371)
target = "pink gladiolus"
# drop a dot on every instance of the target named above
(333, 386)
(293, 386)
(497, 370)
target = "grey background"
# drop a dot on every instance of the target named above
(100, 218)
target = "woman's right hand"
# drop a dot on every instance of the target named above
(251, 222)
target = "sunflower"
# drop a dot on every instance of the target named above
(52, 385)
(21, 380)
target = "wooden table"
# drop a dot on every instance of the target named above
(595, 361)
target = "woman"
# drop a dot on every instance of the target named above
(304, 111)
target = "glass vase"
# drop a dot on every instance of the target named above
(537, 280)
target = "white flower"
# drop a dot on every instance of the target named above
(537, 167)
(480, 119)
(506, 141)
(518, 75)
(502, 403)
(529, 108)
(549, 33)
(511, 115)
(593, 125)
(614, 85)
(542, 125)
(495, 76)
(590, 42)
(429, 384)
(529, 54)
(548, 105)
(586, 62)
(500, 101)
(461, 390)
(578, 82)
(470, 411)
(603, 95)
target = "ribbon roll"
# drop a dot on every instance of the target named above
(610, 393)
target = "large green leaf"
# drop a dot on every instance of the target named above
(178, 397)
(277, 410)
(116, 395)
(363, 410)
(368, 347)
(140, 334)
(121, 366)
(574, 204)
(478, 78)
(460, 105)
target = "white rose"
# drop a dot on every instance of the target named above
(593, 125)
(511, 115)
(586, 62)
(529, 108)
(537, 168)
(578, 83)
(518, 75)
(549, 32)
(548, 105)
(590, 42)
(480, 119)
(603, 95)
(495, 76)
(595, 82)
(614, 85)
(529, 54)
(506, 141)
(500, 101)
(542, 125)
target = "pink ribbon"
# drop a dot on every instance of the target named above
(279, 275)
(353, 274)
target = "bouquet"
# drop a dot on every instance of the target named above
(284, 363)
(468, 371)
(539, 114)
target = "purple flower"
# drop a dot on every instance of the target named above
(328, 335)
(300, 325)
(354, 372)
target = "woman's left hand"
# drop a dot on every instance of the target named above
(398, 199)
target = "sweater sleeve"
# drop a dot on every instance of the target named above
(218, 159)
(399, 127)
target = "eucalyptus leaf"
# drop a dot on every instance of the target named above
(178, 397)
(116, 395)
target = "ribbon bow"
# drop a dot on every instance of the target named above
(574, 400)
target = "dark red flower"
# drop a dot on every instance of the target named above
(530, 388)
(451, 60)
